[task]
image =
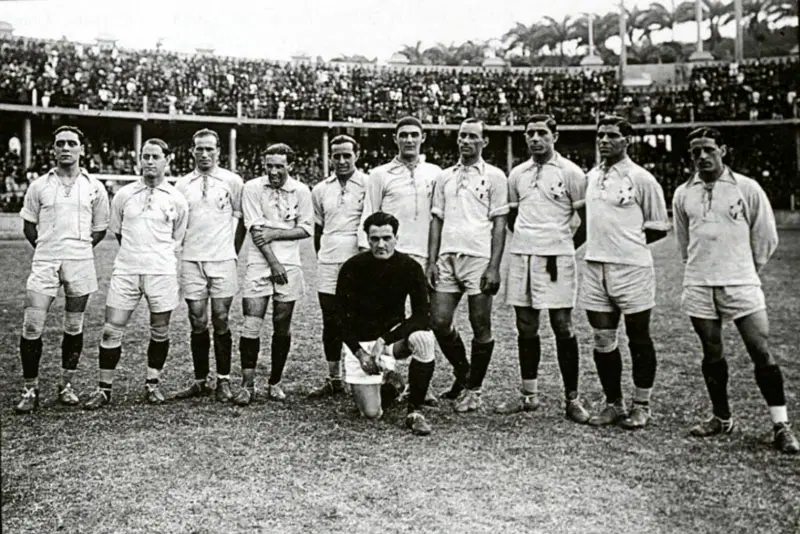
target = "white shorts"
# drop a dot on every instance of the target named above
(354, 374)
(606, 287)
(722, 302)
(258, 283)
(460, 273)
(203, 279)
(529, 285)
(77, 276)
(327, 275)
(126, 290)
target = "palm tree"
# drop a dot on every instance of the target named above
(754, 13)
(440, 54)
(636, 21)
(780, 10)
(559, 32)
(713, 12)
(471, 52)
(660, 17)
(529, 39)
(413, 53)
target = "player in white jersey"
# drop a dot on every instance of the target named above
(65, 215)
(726, 234)
(625, 211)
(278, 213)
(544, 193)
(404, 188)
(338, 203)
(149, 219)
(214, 235)
(467, 236)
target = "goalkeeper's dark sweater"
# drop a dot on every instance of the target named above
(371, 299)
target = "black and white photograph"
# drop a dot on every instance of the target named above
(399, 267)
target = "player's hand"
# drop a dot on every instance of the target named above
(263, 236)
(377, 349)
(432, 274)
(367, 362)
(490, 281)
(279, 275)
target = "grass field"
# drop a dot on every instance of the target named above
(303, 466)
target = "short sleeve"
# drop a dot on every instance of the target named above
(31, 204)
(305, 210)
(237, 185)
(100, 207)
(576, 186)
(117, 206)
(437, 200)
(652, 203)
(513, 188)
(498, 194)
(251, 205)
(316, 202)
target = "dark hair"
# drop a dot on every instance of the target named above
(704, 131)
(158, 142)
(380, 218)
(473, 120)
(548, 120)
(408, 121)
(624, 126)
(205, 132)
(281, 149)
(72, 129)
(342, 139)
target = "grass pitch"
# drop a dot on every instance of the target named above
(311, 466)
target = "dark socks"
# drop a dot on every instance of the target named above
(30, 353)
(770, 381)
(222, 352)
(71, 348)
(201, 345)
(530, 353)
(715, 374)
(455, 352)
(280, 352)
(481, 356)
(568, 362)
(248, 351)
(157, 354)
(643, 363)
(609, 370)
(419, 378)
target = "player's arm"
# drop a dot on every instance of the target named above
(346, 288)
(303, 224)
(579, 236)
(435, 231)
(115, 218)
(654, 208)
(100, 213)
(513, 199)
(239, 234)
(318, 228)
(681, 223)
(420, 307)
(763, 230)
(372, 203)
(239, 231)
(577, 183)
(498, 213)
(31, 232)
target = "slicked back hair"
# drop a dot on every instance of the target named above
(473, 120)
(548, 120)
(342, 139)
(158, 142)
(205, 132)
(705, 132)
(408, 121)
(281, 149)
(380, 218)
(624, 126)
(74, 129)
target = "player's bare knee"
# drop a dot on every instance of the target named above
(423, 346)
(562, 325)
(527, 325)
(159, 332)
(112, 336)
(371, 412)
(251, 327)
(220, 323)
(605, 340)
(33, 320)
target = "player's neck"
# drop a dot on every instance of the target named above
(541, 159)
(68, 172)
(153, 182)
(710, 177)
(208, 171)
(344, 177)
(613, 160)
(408, 160)
(472, 160)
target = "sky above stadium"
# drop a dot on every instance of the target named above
(277, 29)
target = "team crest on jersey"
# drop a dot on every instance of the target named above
(285, 204)
(736, 210)
(170, 213)
(624, 194)
(93, 194)
(556, 188)
(223, 201)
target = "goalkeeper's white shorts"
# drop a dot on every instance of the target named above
(354, 374)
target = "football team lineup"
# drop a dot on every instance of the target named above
(409, 231)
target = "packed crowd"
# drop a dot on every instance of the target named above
(70, 74)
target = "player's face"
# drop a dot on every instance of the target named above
(707, 155)
(343, 159)
(153, 161)
(382, 241)
(409, 139)
(277, 169)
(67, 148)
(540, 139)
(471, 140)
(205, 152)
(610, 142)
